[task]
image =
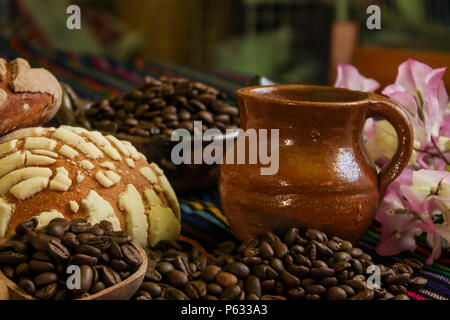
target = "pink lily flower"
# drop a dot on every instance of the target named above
(349, 77)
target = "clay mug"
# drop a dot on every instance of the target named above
(325, 178)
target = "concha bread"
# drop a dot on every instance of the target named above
(28, 96)
(74, 173)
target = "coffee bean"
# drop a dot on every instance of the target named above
(356, 252)
(70, 240)
(226, 279)
(315, 289)
(119, 265)
(80, 226)
(343, 256)
(80, 259)
(9, 272)
(321, 272)
(45, 278)
(27, 285)
(366, 294)
(29, 225)
(47, 292)
(238, 268)
(108, 276)
(289, 279)
(14, 245)
(401, 296)
(336, 293)
(12, 258)
(413, 263)
(177, 278)
(209, 273)
(418, 283)
(37, 266)
(196, 289)
(97, 287)
(163, 267)
(23, 270)
(89, 250)
(231, 292)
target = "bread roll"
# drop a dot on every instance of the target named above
(28, 97)
(74, 173)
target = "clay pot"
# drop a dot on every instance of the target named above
(325, 178)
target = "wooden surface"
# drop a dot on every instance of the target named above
(382, 63)
(122, 291)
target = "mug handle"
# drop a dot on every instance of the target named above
(383, 107)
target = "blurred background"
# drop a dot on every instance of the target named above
(286, 40)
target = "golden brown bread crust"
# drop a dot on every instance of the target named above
(39, 153)
(28, 97)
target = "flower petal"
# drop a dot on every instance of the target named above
(349, 77)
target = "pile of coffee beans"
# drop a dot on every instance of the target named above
(161, 106)
(38, 259)
(302, 265)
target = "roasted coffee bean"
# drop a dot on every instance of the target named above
(153, 288)
(80, 259)
(27, 285)
(230, 293)
(196, 289)
(366, 294)
(80, 226)
(131, 255)
(61, 294)
(107, 225)
(100, 242)
(343, 256)
(418, 283)
(108, 276)
(70, 240)
(37, 266)
(9, 272)
(12, 258)
(58, 227)
(403, 268)
(210, 272)
(45, 278)
(277, 265)
(329, 282)
(153, 274)
(27, 225)
(299, 271)
(238, 268)
(279, 249)
(401, 296)
(23, 270)
(174, 294)
(321, 272)
(336, 293)
(289, 279)
(253, 285)
(358, 285)
(413, 263)
(88, 250)
(214, 288)
(47, 292)
(119, 265)
(97, 287)
(177, 278)
(315, 289)
(57, 250)
(14, 245)
(226, 279)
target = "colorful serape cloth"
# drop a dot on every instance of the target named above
(93, 77)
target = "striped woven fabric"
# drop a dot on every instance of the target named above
(93, 77)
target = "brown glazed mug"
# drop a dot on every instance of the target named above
(325, 178)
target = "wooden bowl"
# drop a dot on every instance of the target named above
(121, 291)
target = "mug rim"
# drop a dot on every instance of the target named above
(249, 92)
